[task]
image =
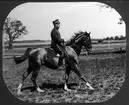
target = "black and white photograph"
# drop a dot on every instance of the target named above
(64, 52)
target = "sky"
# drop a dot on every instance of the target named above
(74, 17)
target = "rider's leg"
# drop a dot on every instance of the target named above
(59, 50)
(62, 55)
(60, 60)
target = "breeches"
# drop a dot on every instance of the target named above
(58, 49)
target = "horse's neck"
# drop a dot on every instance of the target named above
(77, 48)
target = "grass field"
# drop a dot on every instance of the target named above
(106, 72)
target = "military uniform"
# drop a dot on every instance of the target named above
(57, 42)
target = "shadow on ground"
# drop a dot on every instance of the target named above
(53, 86)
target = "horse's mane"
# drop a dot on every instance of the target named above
(72, 39)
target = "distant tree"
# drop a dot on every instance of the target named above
(100, 40)
(111, 38)
(107, 38)
(105, 6)
(120, 21)
(116, 38)
(13, 29)
(122, 37)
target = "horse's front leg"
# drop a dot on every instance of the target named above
(87, 83)
(77, 71)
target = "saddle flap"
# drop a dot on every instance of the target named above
(51, 52)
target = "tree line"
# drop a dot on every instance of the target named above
(121, 37)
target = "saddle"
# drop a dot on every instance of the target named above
(51, 52)
(52, 59)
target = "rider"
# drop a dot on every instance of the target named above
(57, 43)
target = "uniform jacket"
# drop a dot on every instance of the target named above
(56, 37)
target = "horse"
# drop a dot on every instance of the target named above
(38, 57)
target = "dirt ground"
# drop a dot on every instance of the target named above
(106, 73)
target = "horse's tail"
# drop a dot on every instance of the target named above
(22, 57)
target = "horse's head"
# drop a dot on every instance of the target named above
(87, 41)
(81, 39)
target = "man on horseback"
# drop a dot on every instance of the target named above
(37, 58)
(57, 43)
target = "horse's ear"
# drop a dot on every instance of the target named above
(85, 32)
(89, 32)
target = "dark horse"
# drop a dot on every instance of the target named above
(38, 57)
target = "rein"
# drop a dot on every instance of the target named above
(78, 37)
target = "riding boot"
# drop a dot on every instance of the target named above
(60, 63)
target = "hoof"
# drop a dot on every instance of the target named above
(68, 90)
(19, 89)
(89, 86)
(40, 90)
(19, 93)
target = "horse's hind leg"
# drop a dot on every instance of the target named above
(25, 75)
(34, 76)
(66, 79)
